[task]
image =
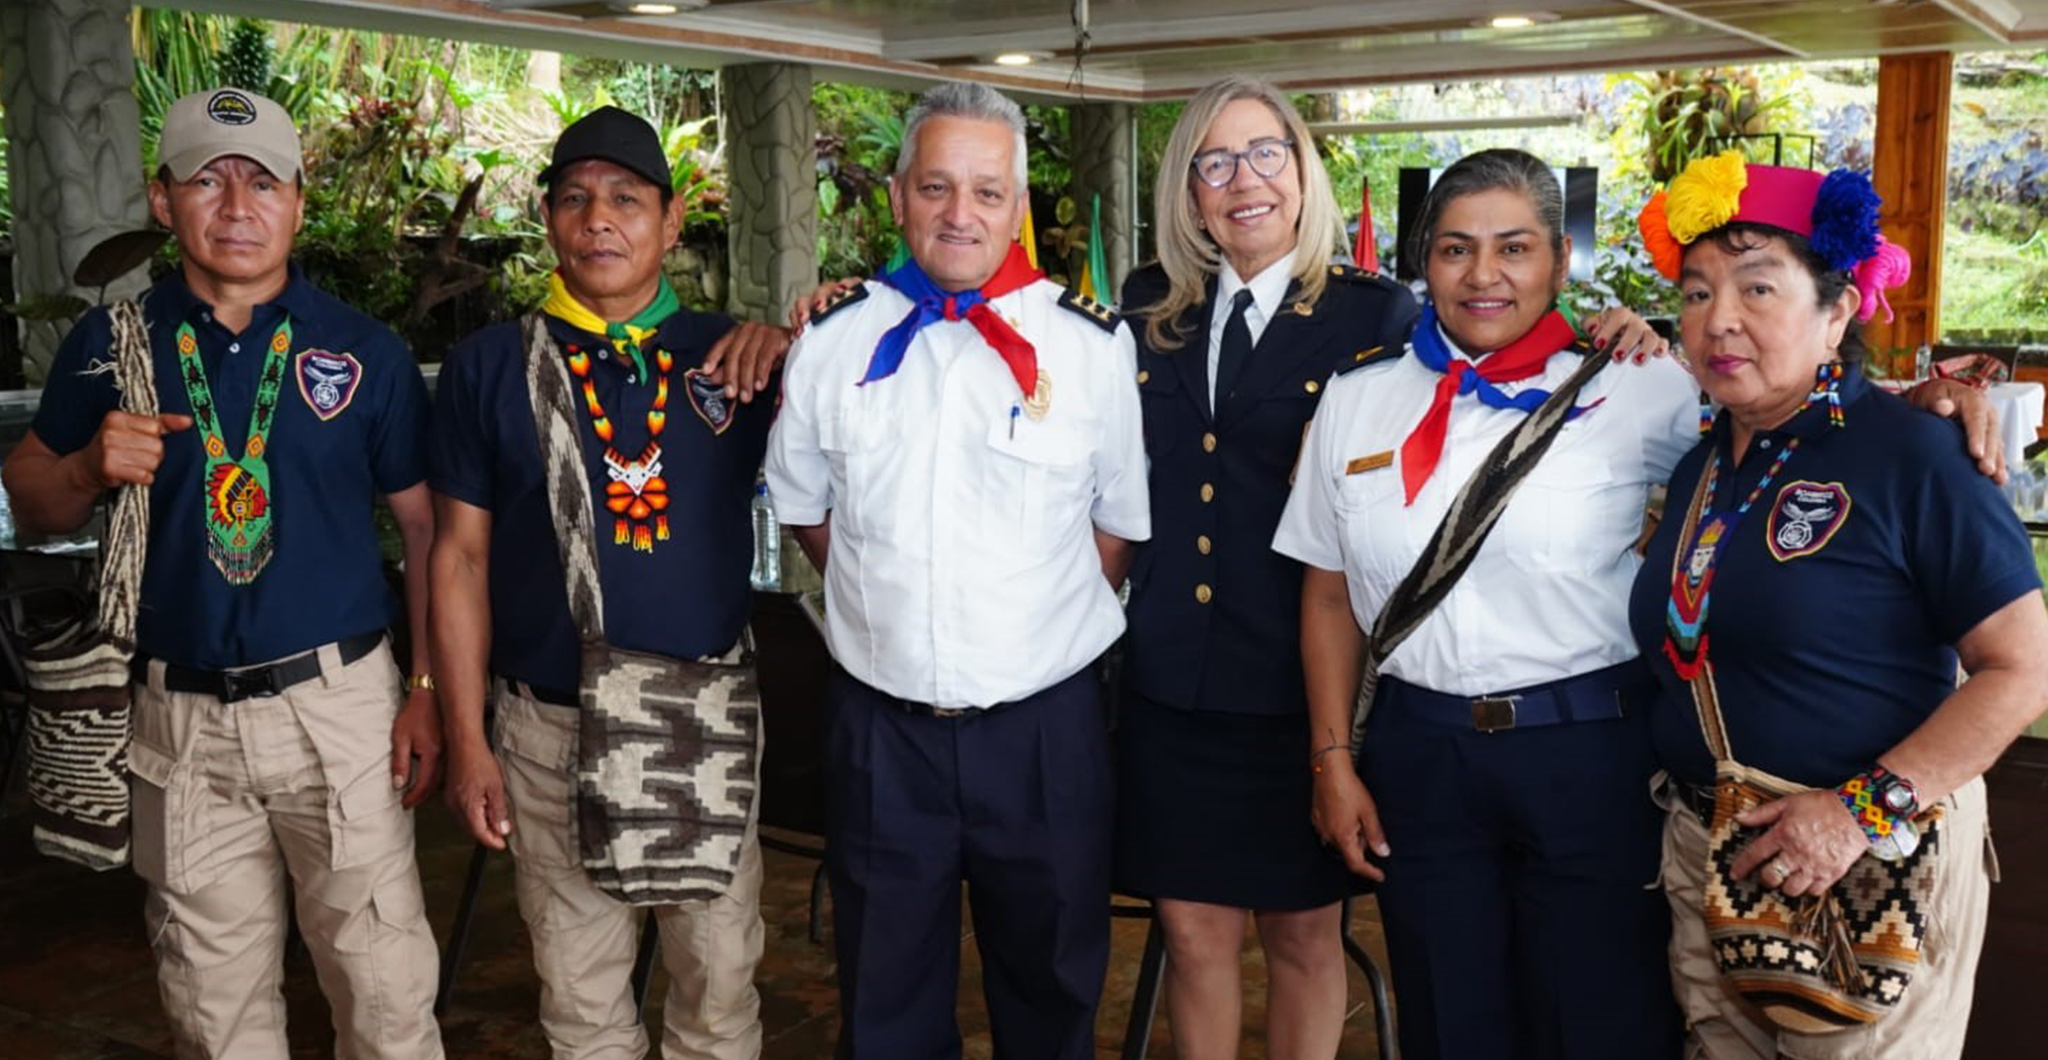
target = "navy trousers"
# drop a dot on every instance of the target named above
(1015, 802)
(1521, 905)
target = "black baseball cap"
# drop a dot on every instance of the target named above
(613, 135)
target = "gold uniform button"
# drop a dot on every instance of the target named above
(1202, 594)
(1202, 543)
(1143, 376)
(1209, 443)
(1311, 386)
(1208, 493)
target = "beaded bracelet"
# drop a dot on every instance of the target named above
(1891, 837)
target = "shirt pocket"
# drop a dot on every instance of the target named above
(1376, 529)
(853, 446)
(1160, 401)
(1575, 512)
(1040, 480)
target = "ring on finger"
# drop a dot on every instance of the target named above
(1778, 872)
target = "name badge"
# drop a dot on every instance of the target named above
(1370, 463)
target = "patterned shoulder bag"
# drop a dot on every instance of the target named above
(1810, 964)
(78, 680)
(668, 750)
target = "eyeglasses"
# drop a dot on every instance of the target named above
(1268, 158)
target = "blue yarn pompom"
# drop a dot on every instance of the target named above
(1845, 219)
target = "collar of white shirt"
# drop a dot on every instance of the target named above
(1268, 288)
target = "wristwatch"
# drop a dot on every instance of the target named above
(1896, 792)
(419, 681)
(1884, 804)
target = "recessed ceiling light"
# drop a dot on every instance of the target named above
(1015, 59)
(1519, 20)
(652, 9)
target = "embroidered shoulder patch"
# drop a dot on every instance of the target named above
(1805, 517)
(327, 381)
(845, 297)
(708, 398)
(1104, 317)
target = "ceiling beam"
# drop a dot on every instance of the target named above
(1715, 24)
(1381, 128)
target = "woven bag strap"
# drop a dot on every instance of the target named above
(1472, 516)
(568, 485)
(125, 540)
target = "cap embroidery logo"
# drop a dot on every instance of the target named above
(328, 381)
(1805, 518)
(230, 107)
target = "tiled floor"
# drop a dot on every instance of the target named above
(76, 981)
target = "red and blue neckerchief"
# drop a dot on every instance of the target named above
(1513, 362)
(930, 304)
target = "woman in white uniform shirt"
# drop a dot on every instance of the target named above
(1518, 867)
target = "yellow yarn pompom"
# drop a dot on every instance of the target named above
(1706, 195)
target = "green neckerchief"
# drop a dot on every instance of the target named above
(240, 516)
(625, 336)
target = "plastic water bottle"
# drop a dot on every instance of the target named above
(767, 542)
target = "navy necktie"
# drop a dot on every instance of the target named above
(1237, 349)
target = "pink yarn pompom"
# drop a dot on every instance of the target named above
(1887, 268)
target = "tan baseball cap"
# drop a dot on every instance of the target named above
(228, 121)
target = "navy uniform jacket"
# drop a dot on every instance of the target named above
(1215, 613)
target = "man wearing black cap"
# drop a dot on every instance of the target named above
(272, 738)
(670, 459)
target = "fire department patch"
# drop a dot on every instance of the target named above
(327, 381)
(1805, 517)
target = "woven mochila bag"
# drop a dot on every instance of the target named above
(78, 680)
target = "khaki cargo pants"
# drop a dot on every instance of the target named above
(584, 940)
(1928, 1024)
(229, 799)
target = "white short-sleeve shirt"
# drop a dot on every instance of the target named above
(963, 570)
(1547, 595)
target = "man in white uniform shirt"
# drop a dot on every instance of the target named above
(959, 450)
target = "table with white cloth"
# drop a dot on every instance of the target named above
(2019, 407)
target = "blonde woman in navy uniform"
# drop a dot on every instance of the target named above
(1239, 326)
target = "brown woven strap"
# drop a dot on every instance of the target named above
(1706, 699)
(568, 484)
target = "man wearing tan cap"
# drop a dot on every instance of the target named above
(274, 735)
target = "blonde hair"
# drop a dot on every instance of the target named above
(1187, 253)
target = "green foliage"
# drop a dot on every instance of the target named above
(246, 57)
(859, 134)
(1688, 114)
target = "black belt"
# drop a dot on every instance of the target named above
(554, 696)
(1597, 696)
(254, 681)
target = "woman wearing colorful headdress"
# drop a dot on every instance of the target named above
(1826, 558)
(1500, 785)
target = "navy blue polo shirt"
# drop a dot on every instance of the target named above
(1839, 598)
(686, 598)
(351, 416)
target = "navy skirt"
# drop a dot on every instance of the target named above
(1214, 807)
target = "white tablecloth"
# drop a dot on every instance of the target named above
(2019, 408)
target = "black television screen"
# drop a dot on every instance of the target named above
(1581, 184)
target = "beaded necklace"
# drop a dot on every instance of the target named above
(241, 518)
(637, 493)
(1685, 617)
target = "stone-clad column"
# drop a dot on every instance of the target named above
(67, 80)
(771, 165)
(1105, 154)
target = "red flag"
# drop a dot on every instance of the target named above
(1366, 252)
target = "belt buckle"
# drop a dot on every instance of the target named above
(1494, 713)
(950, 712)
(248, 684)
